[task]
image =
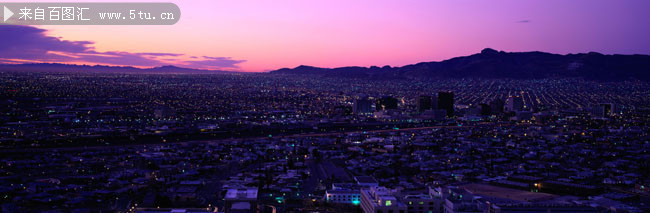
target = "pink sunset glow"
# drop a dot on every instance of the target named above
(266, 35)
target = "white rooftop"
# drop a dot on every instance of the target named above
(241, 193)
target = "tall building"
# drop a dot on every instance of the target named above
(523, 115)
(380, 199)
(386, 103)
(496, 106)
(514, 103)
(362, 106)
(485, 109)
(424, 103)
(340, 110)
(598, 111)
(608, 108)
(446, 102)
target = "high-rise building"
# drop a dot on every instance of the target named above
(340, 110)
(496, 106)
(608, 108)
(619, 109)
(446, 102)
(485, 109)
(362, 106)
(514, 103)
(386, 103)
(523, 115)
(424, 103)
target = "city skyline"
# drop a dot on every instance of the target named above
(414, 106)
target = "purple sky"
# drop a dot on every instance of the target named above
(265, 35)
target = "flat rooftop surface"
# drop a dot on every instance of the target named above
(507, 193)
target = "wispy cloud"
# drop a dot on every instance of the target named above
(523, 21)
(225, 62)
(31, 44)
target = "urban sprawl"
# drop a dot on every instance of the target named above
(111, 142)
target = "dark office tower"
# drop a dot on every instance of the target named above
(446, 102)
(362, 106)
(598, 111)
(386, 103)
(434, 102)
(608, 108)
(618, 109)
(485, 109)
(340, 110)
(515, 103)
(424, 103)
(496, 106)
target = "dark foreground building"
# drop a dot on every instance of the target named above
(446, 102)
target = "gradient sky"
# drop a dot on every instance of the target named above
(266, 35)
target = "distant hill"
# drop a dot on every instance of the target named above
(498, 64)
(55, 67)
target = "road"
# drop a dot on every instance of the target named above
(326, 134)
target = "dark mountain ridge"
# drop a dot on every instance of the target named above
(498, 64)
(56, 67)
